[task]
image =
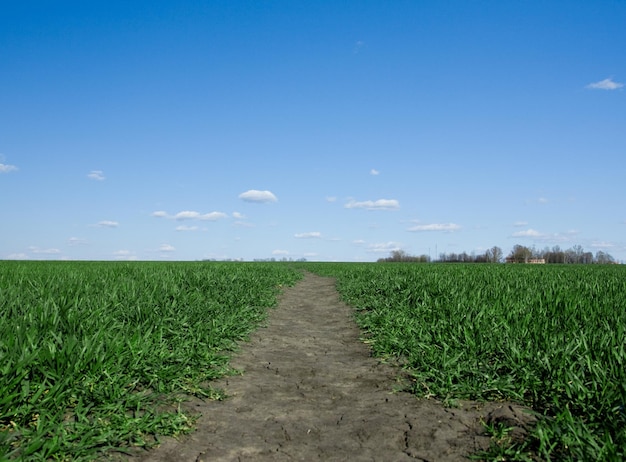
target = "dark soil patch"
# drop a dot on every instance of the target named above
(311, 391)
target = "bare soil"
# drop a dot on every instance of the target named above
(310, 390)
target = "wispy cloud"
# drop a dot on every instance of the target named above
(107, 224)
(186, 215)
(167, 248)
(606, 84)
(528, 233)
(77, 241)
(124, 255)
(212, 216)
(311, 235)
(17, 256)
(243, 224)
(539, 236)
(37, 250)
(280, 252)
(331, 199)
(240, 220)
(186, 228)
(357, 46)
(519, 224)
(6, 168)
(537, 200)
(254, 195)
(380, 204)
(97, 175)
(190, 215)
(446, 227)
(374, 172)
(603, 245)
(383, 247)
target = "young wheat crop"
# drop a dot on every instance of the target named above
(552, 337)
(88, 349)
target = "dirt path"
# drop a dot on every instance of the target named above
(311, 391)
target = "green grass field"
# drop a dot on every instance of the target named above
(552, 337)
(89, 351)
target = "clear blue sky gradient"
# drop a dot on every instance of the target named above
(141, 130)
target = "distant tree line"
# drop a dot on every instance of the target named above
(273, 259)
(573, 255)
(401, 255)
(519, 254)
(492, 255)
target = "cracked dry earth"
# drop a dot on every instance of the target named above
(310, 390)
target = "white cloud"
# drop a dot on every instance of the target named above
(240, 217)
(5, 168)
(186, 215)
(358, 242)
(542, 200)
(17, 256)
(535, 235)
(167, 248)
(518, 224)
(124, 255)
(190, 215)
(374, 172)
(96, 175)
(357, 46)
(212, 216)
(383, 247)
(311, 235)
(603, 245)
(280, 252)
(331, 199)
(107, 224)
(254, 195)
(186, 228)
(606, 84)
(37, 250)
(380, 204)
(448, 227)
(528, 233)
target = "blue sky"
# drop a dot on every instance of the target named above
(184, 130)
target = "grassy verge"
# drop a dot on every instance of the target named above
(551, 337)
(88, 350)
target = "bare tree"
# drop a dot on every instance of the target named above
(520, 254)
(402, 256)
(603, 258)
(494, 254)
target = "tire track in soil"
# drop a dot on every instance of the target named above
(312, 391)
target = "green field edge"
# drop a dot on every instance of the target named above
(550, 337)
(96, 357)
